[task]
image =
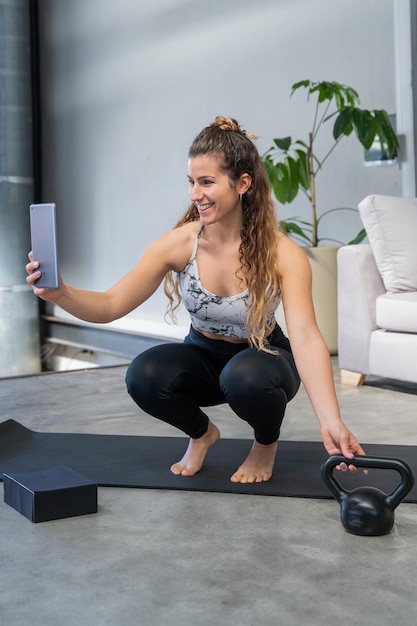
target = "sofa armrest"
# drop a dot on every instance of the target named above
(359, 284)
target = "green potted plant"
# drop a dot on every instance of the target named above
(292, 167)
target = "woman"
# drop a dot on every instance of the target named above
(229, 264)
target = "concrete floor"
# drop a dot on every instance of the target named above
(170, 558)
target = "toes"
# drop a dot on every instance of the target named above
(255, 478)
(183, 470)
(188, 472)
(242, 477)
(238, 477)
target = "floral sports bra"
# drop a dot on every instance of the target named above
(222, 315)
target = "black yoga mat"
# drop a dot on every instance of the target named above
(144, 462)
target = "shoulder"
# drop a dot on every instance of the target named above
(176, 245)
(291, 257)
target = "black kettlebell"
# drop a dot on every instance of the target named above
(367, 510)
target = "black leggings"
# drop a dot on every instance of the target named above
(172, 381)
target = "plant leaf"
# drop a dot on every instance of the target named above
(340, 101)
(365, 126)
(385, 132)
(279, 178)
(343, 124)
(303, 169)
(272, 174)
(352, 96)
(301, 83)
(289, 227)
(326, 91)
(283, 143)
(293, 178)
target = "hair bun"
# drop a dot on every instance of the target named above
(226, 123)
(231, 125)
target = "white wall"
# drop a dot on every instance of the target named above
(126, 85)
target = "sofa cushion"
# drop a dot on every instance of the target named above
(391, 226)
(397, 312)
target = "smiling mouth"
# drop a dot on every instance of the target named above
(204, 207)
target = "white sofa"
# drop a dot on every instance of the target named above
(377, 294)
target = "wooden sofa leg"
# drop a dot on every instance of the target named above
(354, 379)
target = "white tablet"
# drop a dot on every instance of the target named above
(44, 243)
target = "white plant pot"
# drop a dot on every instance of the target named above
(323, 261)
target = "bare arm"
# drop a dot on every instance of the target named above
(169, 252)
(309, 348)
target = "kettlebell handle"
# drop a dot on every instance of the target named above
(371, 462)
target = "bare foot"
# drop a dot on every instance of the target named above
(258, 465)
(194, 456)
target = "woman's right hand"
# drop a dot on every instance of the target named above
(34, 272)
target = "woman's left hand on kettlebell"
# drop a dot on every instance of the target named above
(338, 439)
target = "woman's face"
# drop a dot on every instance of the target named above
(213, 193)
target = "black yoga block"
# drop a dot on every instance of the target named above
(48, 494)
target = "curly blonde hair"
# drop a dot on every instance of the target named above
(238, 155)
